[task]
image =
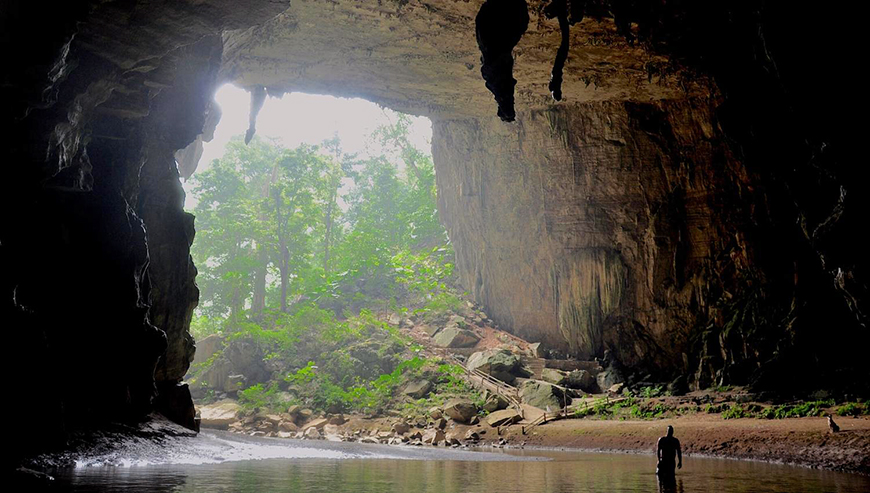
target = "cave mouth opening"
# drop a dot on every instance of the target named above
(310, 236)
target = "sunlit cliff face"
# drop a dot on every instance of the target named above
(693, 204)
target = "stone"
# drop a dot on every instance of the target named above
(304, 415)
(312, 433)
(219, 414)
(440, 423)
(401, 427)
(460, 410)
(285, 434)
(495, 402)
(536, 350)
(330, 429)
(551, 375)
(498, 363)
(543, 395)
(287, 426)
(616, 388)
(503, 417)
(433, 436)
(418, 389)
(337, 419)
(472, 435)
(431, 330)
(435, 413)
(318, 423)
(581, 380)
(609, 378)
(454, 337)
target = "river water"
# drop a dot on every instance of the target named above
(220, 462)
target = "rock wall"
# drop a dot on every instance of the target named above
(633, 228)
(96, 278)
(590, 225)
(705, 228)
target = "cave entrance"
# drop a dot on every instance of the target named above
(315, 240)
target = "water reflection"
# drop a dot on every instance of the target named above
(564, 472)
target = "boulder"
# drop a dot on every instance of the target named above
(435, 413)
(608, 378)
(206, 348)
(401, 427)
(418, 389)
(219, 414)
(503, 417)
(536, 350)
(616, 388)
(495, 402)
(294, 410)
(312, 433)
(304, 415)
(543, 395)
(454, 337)
(472, 435)
(433, 436)
(330, 429)
(337, 420)
(580, 380)
(318, 424)
(287, 426)
(553, 376)
(431, 330)
(460, 410)
(499, 363)
(440, 423)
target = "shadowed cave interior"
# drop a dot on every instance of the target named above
(691, 202)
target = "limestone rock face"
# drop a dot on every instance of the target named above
(595, 226)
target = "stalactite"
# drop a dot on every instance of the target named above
(498, 28)
(258, 97)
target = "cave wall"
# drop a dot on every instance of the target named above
(97, 282)
(695, 206)
(600, 226)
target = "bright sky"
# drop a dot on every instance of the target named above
(299, 118)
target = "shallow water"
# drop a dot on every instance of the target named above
(216, 462)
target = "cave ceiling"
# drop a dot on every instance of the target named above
(421, 57)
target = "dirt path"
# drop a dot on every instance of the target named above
(799, 441)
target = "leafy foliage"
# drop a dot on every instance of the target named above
(302, 250)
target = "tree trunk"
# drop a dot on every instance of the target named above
(258, 304)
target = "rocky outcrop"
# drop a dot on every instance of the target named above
(645, 184)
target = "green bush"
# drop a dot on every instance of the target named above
(736, 411)
(852, 409)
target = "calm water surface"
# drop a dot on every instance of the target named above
(216, 462)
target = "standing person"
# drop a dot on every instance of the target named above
(667, 448)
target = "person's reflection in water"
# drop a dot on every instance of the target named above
(669, 484)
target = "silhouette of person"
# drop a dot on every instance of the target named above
(667, 449)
